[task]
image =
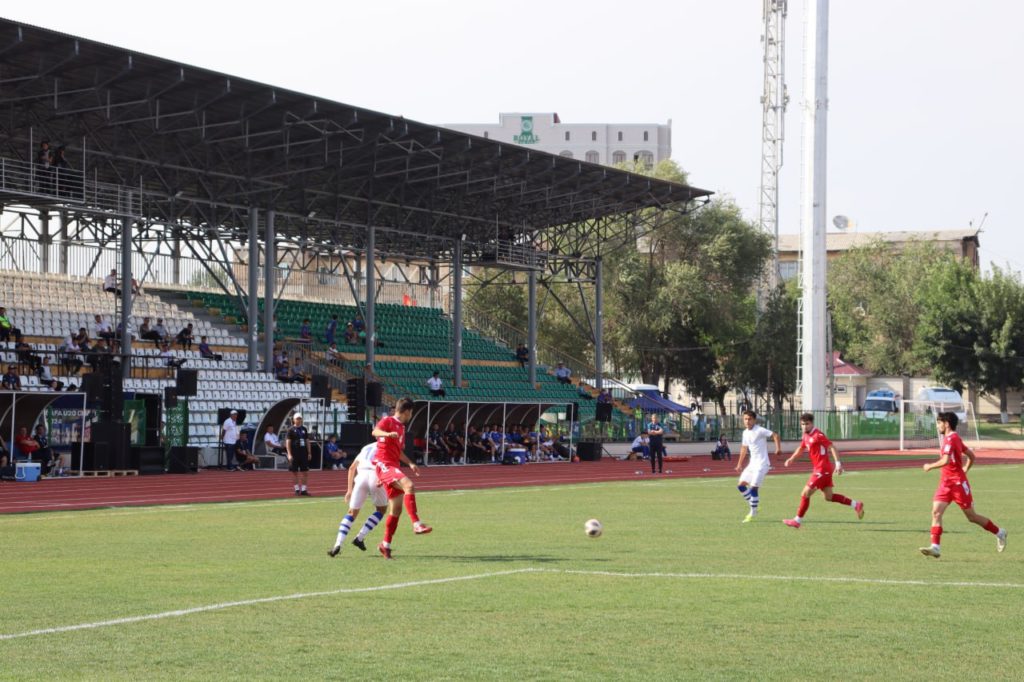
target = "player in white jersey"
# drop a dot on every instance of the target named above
(755, 444)
(362, 482)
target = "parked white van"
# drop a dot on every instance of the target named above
(882, 404)
(947, 400)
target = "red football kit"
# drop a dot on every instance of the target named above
(388, 459)
(953, 486)
(817, 445)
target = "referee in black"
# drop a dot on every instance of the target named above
(299, 450)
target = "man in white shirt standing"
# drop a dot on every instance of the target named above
(755, 443)
(229, 436)
(362, 483)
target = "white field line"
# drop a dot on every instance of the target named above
(479, 576)
(263, 600)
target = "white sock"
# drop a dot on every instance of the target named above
(798, 519)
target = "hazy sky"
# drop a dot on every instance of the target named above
(924, 118)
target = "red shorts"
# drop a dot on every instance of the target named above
(819, 481)
(387, 476)
(953, 491)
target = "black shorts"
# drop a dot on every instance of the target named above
(300, 461)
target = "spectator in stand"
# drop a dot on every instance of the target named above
(436, 385)
(169, 359)
(26, 356)
(641, 448)
(333, 355)
(476, 451)
(438, 448)
(605, 396)
(229, 433)
(50, 460)
(358, 323)
(279, 359)
(110, 283)
(44, 167)
(284, 372)
(453, 438)
(271, 442)
(160, 330)
(298, 373)
(136, 287)
(305, 332)
(721, 450)
(102, 328)
(205, 352)
(331, 330)
(147, 332)
(66, 183)
(351, 335)
(243, 454)
(46, 376)
(72, 359)
(562, 373)
(185, 337)
(11, 381)
(7, 328)
(583, 392)
(522, 354)
(334, 457)
(82, 340)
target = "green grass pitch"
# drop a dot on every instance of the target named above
(509, 587)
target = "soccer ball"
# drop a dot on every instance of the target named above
(593, 528)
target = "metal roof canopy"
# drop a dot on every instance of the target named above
(205, 146)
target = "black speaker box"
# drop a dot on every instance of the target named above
(374, 394)
(588, 452)
(110, 441)
(319, 388)
(356, 396)
(354, 435)
(92, 386)
(170, 397)
(573, 412)
(188, 382)
(148, 459)
(184, 460)
(604, 412)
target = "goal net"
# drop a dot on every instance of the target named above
(917, 422)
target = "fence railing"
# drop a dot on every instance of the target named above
(67, 186)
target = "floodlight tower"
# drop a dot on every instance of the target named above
(773, 102)
(811, 369)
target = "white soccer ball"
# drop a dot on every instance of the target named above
(593, 528)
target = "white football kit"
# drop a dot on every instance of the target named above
(756, 440)
(366, 480)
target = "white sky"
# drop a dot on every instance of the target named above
(924, 120)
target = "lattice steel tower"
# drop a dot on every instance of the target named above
(773, 103)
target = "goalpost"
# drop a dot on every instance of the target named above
(917, 422)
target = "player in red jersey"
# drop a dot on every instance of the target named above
(390, 435)
(953, 486)
(819, 447)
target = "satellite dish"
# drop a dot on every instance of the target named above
(841, 222)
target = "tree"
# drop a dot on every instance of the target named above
(768, 361)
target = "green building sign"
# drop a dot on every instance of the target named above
(526, 135)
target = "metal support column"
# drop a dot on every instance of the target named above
(269, 261)
(531, 328)
(126, 296)
(253, 315)
(63, 264)
(371, 294)
(598, 324)
(176, 256)
(457, 315)
(44, 241)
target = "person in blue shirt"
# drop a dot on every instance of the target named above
(656, 434)
(334, 457)
(305, 333)
(331, 330)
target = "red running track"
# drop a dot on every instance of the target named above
(224, 486)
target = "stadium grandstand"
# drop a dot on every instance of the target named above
(135, 187)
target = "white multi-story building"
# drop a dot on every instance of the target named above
(607, 143)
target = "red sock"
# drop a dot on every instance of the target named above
(410, 506)
(936, 535)
(390, 526)
(991, 527)
(805, 503)
(842, 499)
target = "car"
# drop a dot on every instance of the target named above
(882, 404)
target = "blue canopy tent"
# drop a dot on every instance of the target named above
(650, 400)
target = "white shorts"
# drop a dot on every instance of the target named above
(366, 485)
(754, 475)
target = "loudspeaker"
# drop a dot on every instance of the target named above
(188, 382)
(604, 412)
(110, 442)
(354, 435)
(572, 412)
(319, 388)
(170, 397)
(355, 391)
(148, 459)
(588, 452)
(92, 386)
(374, 394)
(183, 460)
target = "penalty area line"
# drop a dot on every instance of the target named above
(263, 600)
(794, 578)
